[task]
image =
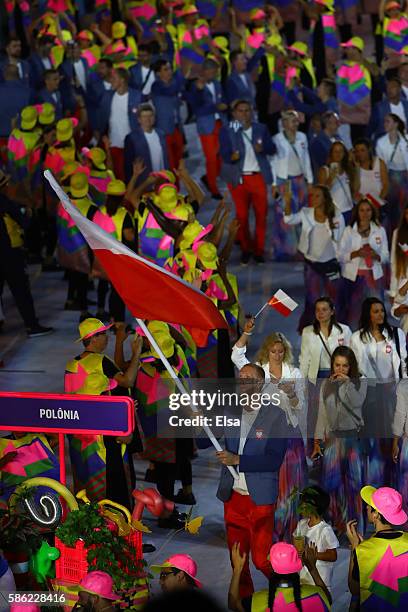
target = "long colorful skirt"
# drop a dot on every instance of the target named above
(351, 294)
(285, 237)
(316, 285)
(292, 479)
(342, 477)
(396, 199)
(88, 460)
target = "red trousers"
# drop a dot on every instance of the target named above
(211, 147)
(251, 526)
(251, 191)
(175, 148)
(118, 159)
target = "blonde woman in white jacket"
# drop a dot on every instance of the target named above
(337, 438)
(292, 170)
(320, 233)
(275, 357)
(363, 251)
(381, 355)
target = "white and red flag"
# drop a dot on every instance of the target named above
(149, 291)
(283, 303)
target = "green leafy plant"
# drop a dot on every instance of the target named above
(18, 532)
(107, 551)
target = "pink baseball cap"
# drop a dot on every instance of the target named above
(98, 583)
(386, 501)
(182, 562)
(284, 558)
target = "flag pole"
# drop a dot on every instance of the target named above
(259, 311)
(181, 387)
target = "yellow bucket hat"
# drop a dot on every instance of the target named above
(118, 30)
(78, 185)
(97, 383)
(116, 188)
(167, 197)
(356, 42)
(98, 157)
(299, 47)
(156, 327)
(29, 116)
(47, 114)
(207, 254)
(190, 233)
(165, 342)
(69, 169)
(90, 327)
(65, 130)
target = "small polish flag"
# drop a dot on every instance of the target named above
(377, 202)
(281, 302)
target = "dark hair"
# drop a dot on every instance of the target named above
(157, 66)
(374, 212)
(237, 103)
(366, 143)
(328, 115)
(123, 74)
(333, 320)
(146, 107)
(401, 238)
(365, 319)
(107, 61)
(234, 54)
(113, 203)
(348, 353)
(393, 78)
(331, 86)
(345, 162)
(316, 498)
(145, 47)
(257, 369)
(329, 208)
(293, 580)
(400, 123)
(46, 39)
(11, 39)
(50, 72)
(209, 64)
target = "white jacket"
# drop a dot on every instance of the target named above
(395, 282)
(384, 150)
(306, 217)
(352, 241)
(312, 347)
(363, 350)
(279, 161)
(289, 374)
(400, 423)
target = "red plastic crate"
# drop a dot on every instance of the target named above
(72, 564)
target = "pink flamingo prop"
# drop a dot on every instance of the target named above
(152, 500)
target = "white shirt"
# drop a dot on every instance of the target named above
(119, 126)
(80, 73)
(247, 420)
(395, 155)
(398, 109)
(361, 260)
(149, 82)
(370, 180)
(294, 167)
(46, 63)
(243, 79)
(107, 85)
(321, 244)
(250, 161)
(340, 192)
(400, 424)
(323, 536)
(156, 153)
(211, 87)
(384, 360)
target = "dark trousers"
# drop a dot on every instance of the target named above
(168, 473)
(78, 288)
(117, 308)
(41, 233)
(13, 272)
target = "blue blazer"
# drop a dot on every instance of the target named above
(261, 458)
(26, 71)
(104, 109)
(96, 88)
(167, 102)
(376, 125)
(136, 146)
(236, 90)
(204, 107)
(37, 70)
(14, 96)
(45, 96)
(136, 78)
(319, 151)
(231, 140)
(67, 71)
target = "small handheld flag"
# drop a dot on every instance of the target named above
(281, 302)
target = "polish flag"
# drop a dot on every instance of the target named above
(281, 302)
(377, 202)
(149, 291)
